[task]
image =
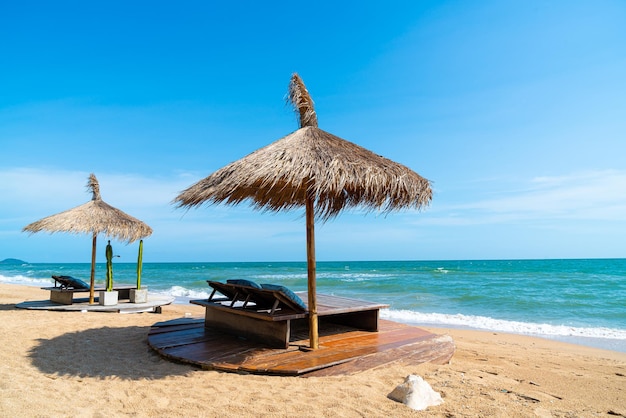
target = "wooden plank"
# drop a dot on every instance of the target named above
(437, 349)
(299, 362)
(176, 322)
(206, 353)
(178, 337)
(252, 312)
(327, 305)
(273, 333)
(381, 339)
(343, 350)
(357, 349)
(82, 304)
(219, 353)
(64, 298)
(337, 304)
(97, 289)
(347, 311)
(276, 329)
(339, 353)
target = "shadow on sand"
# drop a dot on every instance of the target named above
(103, 352)
(8, 307)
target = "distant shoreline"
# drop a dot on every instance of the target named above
(336, 261)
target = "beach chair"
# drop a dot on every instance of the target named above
(69, 282)
(277, 298)
(257, 297)
(230, 293)
(66, 286)
(269, 312)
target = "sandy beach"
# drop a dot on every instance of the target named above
(99, 364)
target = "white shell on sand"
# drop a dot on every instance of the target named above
(416, 393)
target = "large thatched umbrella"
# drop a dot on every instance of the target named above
(315, 169)
(94, 217)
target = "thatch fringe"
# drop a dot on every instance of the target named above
(345, 175)
(302, 102)
(93, 217)
(94, 187)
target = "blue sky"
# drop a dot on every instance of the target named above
(513, 109)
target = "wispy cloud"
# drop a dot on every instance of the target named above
(581, 202)
(39, 192)
(589, 196)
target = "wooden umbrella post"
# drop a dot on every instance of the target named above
(310, 259)
(93, 270)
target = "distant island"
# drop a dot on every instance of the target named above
(12, 261)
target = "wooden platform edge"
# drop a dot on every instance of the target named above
(187, 341)
(437, 350)
(153, 304)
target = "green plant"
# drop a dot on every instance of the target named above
(139, 261)
(109, 275)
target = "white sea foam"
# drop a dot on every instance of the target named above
(344, 277)
(354, 278)
(492, 324)
(182, 292)
(24, 280)
(271, 278)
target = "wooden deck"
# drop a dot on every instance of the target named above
(343, 350)
(65, 296)
(274, 325)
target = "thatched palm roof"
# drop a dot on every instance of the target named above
(94, 217)
(312, 162)
(338, 173)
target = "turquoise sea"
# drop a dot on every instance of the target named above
(580, 301)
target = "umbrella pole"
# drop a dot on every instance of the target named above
(93, 270)
(310, 259)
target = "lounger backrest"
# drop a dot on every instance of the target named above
(271, 294)
(70, 282)
(227, 290)
(237, 293)
(270, 297)
(61, 280)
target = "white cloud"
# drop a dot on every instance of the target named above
(199, 233)
(50, 191)
(590, 203)
(588, 196)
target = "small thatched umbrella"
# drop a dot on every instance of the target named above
(93, 217)
(315, 169)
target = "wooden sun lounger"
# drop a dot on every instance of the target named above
(231, 293)
(65, 296)
(269, 316)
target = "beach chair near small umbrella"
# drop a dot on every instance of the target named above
(93, 218)
(314, 169)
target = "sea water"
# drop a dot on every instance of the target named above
(580, 301)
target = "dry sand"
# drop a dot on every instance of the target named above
(99, 365)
